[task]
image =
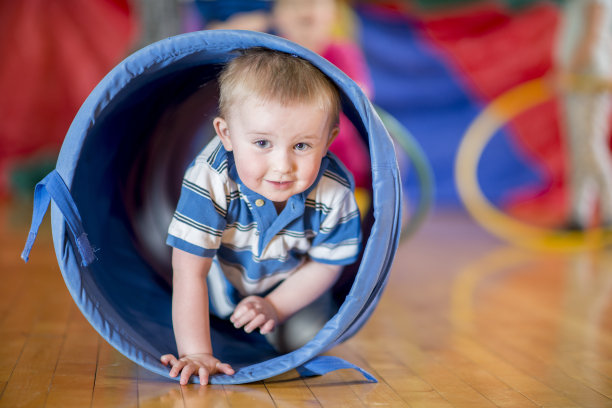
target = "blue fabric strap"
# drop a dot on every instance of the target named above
(324, 364)
(53, 187)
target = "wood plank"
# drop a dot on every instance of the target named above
(73, 381)
(29, 384)
(116, 379)
(536, 314)
(29, 391)
(22, 316)
(449, 386)
(371, 394)
(114, 365)
(575, 391)
(12, 347)
(482, 380)
(155, 391)
(423, 399)
(569, 363)
(253, 395)
(401, 380)
(72, 386)
(114, 392)
(524, 383)
(537, 352)
(82, 342)
(516, 379)
(603, 367)
(445, 382)
(289, 388)
(17, 281)
(153, 395)
(541, 306)
(195, 396)
(331, 390)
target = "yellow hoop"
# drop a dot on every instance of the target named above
(503, 109)
(582, 83)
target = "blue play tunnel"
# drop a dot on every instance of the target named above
(118, 179)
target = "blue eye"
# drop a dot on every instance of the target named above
(301, 146)
(262, 144)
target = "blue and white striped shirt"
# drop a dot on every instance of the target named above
(255, 248)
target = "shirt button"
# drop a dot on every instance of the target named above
(259, 202)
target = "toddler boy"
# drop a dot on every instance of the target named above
(266, 217)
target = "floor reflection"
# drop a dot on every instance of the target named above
(547, 314)
(153, 393)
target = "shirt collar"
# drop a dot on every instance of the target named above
(269, 223)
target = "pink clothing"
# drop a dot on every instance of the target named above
(348, 57)
(349, 146)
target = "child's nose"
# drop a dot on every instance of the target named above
(282, 162)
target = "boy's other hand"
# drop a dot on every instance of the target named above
(203, 365)
(255, 312)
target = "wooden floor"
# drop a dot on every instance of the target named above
(465, 321)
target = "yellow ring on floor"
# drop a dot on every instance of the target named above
(503, 109)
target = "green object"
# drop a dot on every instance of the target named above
(517, 4)
(25, 174)
(417, 157)
(442, 4)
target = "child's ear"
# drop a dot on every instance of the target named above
(222, 131)
(332, 135)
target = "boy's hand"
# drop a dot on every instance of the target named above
(255, 312)
(204, 365)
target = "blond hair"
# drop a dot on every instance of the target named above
(272, 75)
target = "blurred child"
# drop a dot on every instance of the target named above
(311, 23)
(585, 65)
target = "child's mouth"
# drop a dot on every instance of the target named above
(280, 185)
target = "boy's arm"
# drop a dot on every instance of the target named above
(302, 288)
(191, 320)
(190, 303)
(309, 282)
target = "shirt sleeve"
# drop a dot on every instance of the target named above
(200, 217)
(339, 237)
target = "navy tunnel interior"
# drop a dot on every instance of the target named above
(132, 163)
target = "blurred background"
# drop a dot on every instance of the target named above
(434, 65)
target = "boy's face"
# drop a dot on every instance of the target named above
(277, 149)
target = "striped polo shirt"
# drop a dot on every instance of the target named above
(253, 247)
